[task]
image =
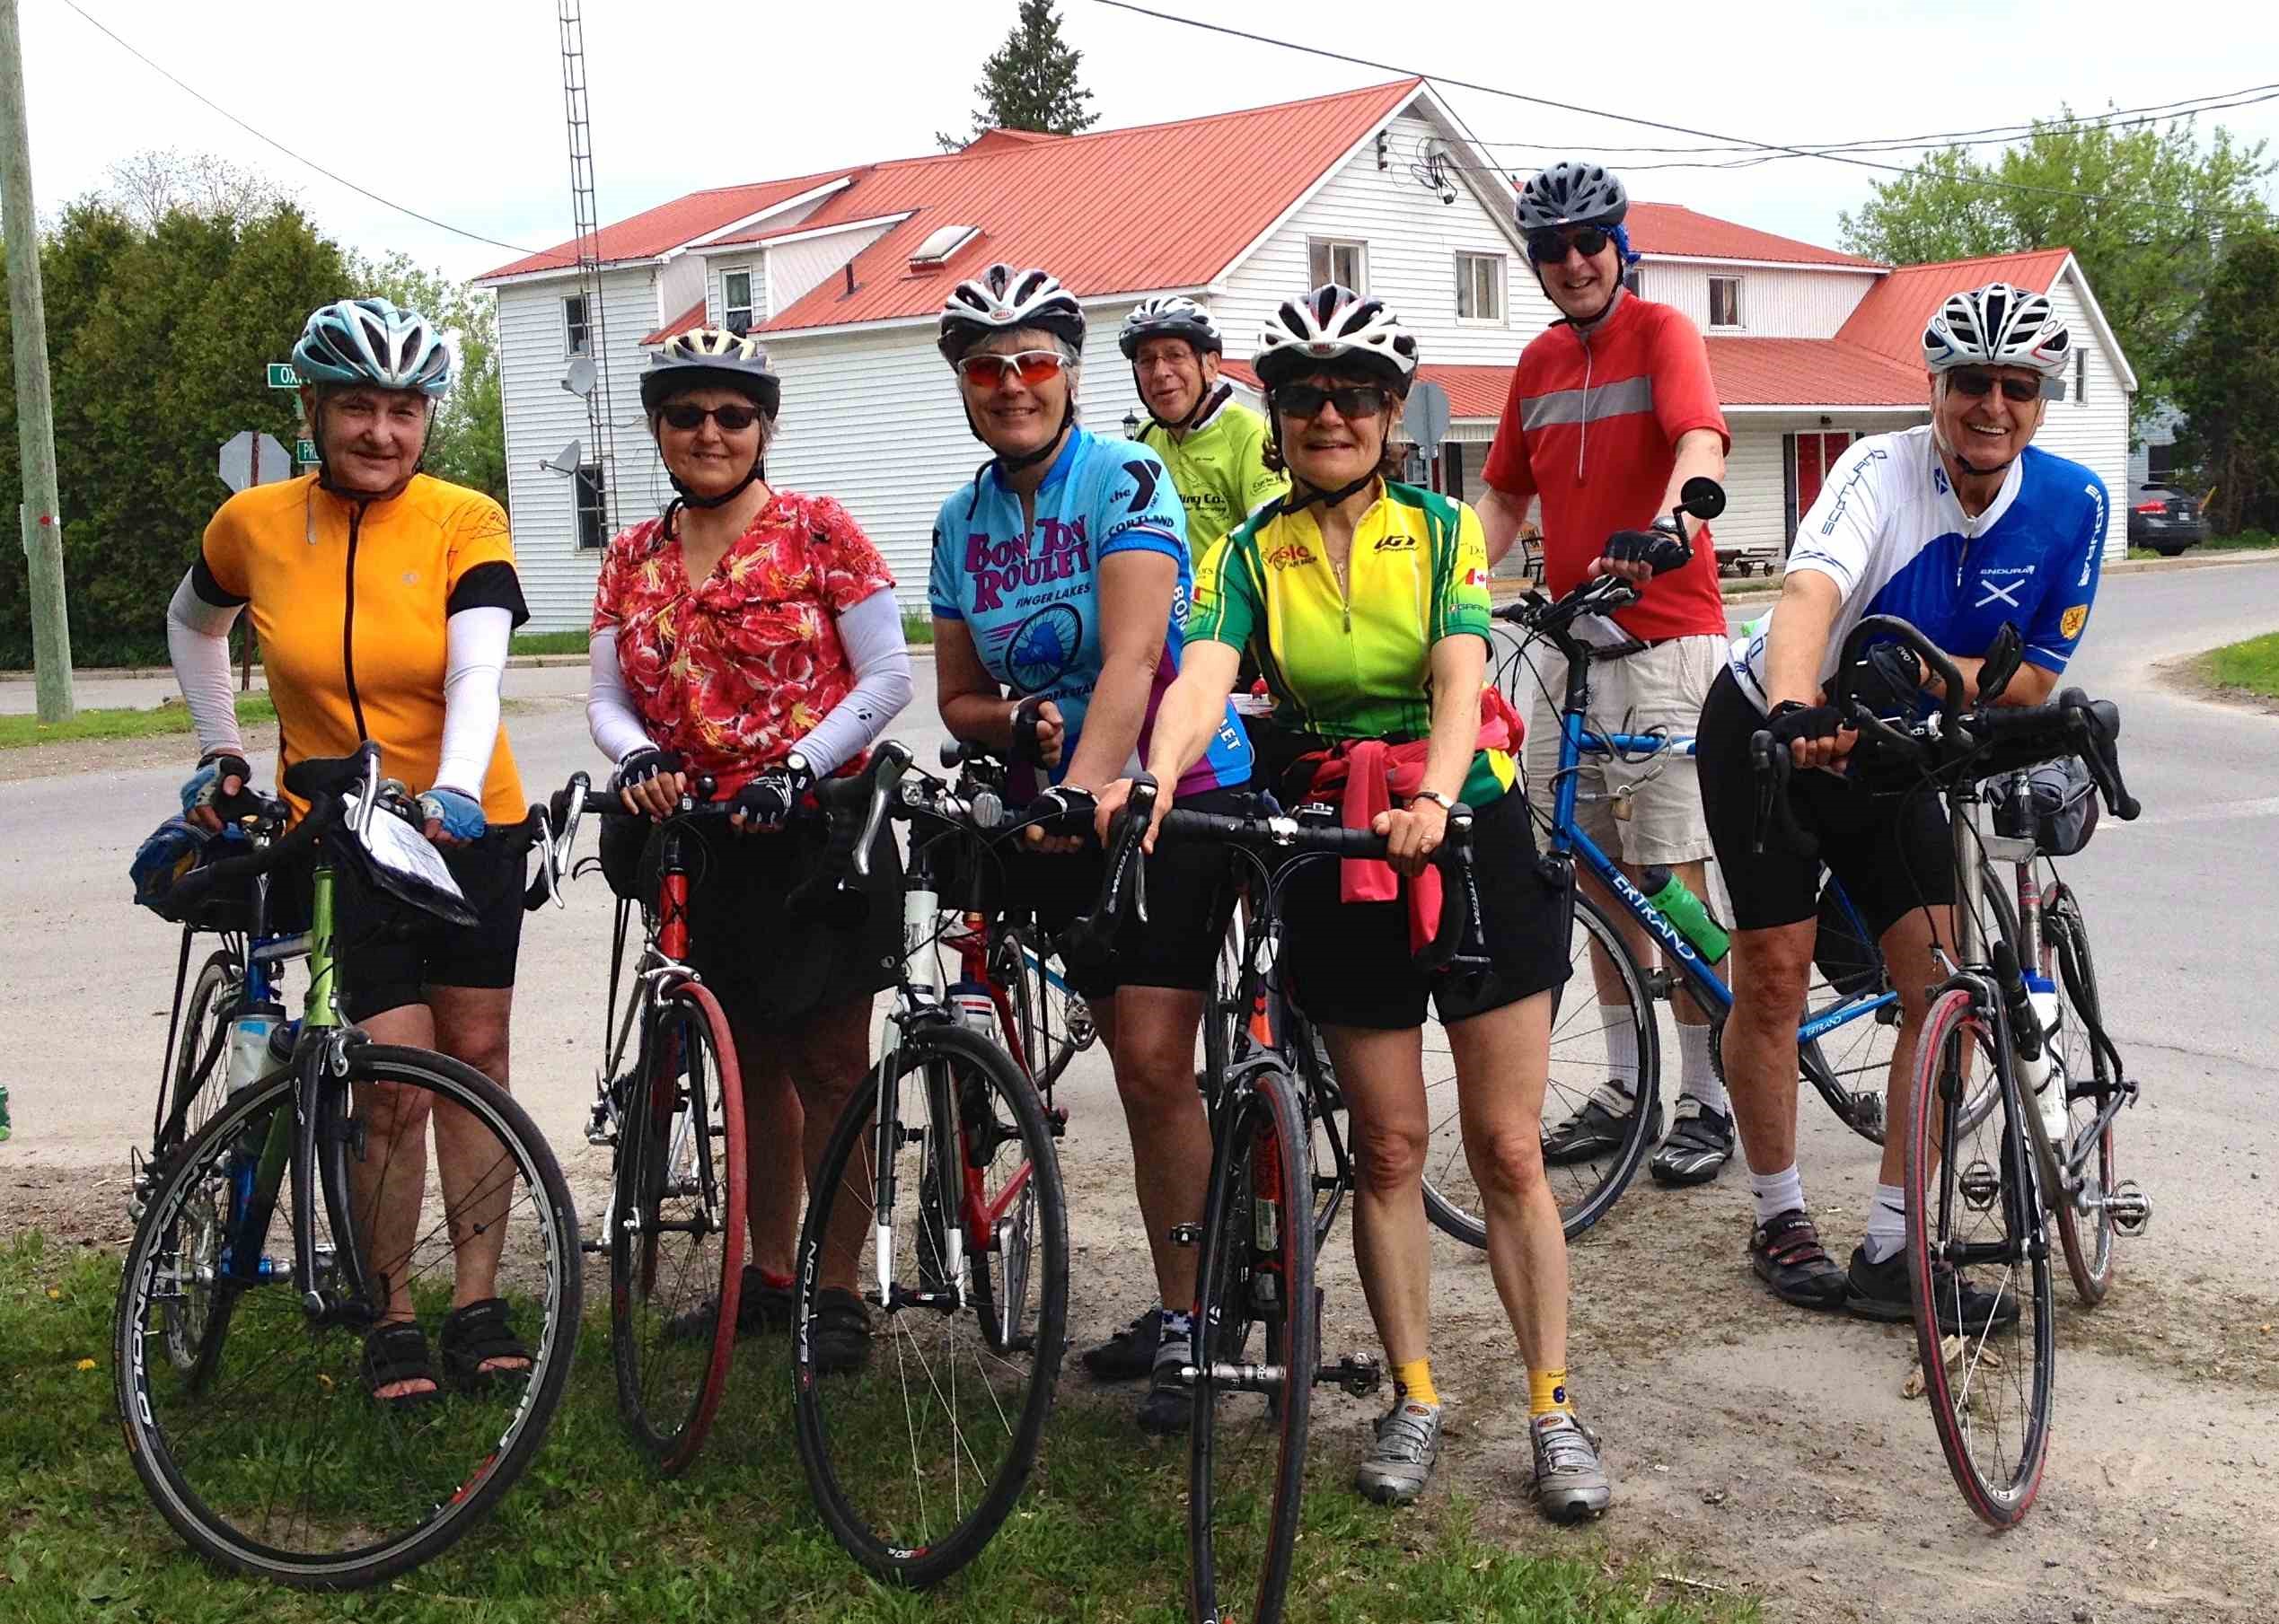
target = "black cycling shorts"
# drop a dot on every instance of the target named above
(388, 954)
(1350, 963)
(1888, 845)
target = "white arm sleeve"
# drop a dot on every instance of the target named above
(872, 634)
(198, 641)
(609, 716)
(475, 643)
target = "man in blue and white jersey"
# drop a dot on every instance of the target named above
(1965, 529)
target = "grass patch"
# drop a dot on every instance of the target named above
(126, 723)
(2253, 665)
(917, 630)
(551, 642)
(589, 1533)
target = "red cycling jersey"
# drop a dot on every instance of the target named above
(1591, 426)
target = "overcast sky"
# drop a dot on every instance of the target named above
(688, 95)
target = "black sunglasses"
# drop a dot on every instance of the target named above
(1351, 399)
(731, 419)
(1549, 246)
(1963, 381)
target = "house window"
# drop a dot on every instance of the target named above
(1634, 279)
(735, 300)
(1343, 262)
(593, 508)
(2160, 464)
(1479, 287)
(2081, 377)
(1725, 301)
(577, 333)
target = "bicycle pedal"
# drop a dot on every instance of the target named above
(1056, 1121)
(2129, 1207)
(1360, 1375)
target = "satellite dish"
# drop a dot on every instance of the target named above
(579, 380)
(567, 460)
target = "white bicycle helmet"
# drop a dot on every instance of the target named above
(1002, 299)
(1570, 193)
(711, 354)
(1998, 325)
(372, 342)
(1334, 324)
(1171, 317)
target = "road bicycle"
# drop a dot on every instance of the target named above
(273, 1240)
(1268, 1205)
(2017, 1086)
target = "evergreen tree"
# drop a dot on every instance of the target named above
(2228, 384)
(1031, 83)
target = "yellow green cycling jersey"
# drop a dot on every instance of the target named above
(1219, 470)
(1356, 661)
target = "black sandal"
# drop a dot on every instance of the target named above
(476, 1334)
(397, 1352)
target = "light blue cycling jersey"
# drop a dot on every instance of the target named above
(1887, 529)
(1031, 597)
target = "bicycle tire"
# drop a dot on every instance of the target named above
(202, 1048)
(2086, 1240)
(1585, 1191)
(1263, 1150)
(891, 1525)
(449, 1461)
(672, 1366)
(1850, 1066)
(1043, 1013)
(1972, 1197)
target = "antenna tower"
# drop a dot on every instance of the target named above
(598, 418)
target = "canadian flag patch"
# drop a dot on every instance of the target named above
(1475, 577)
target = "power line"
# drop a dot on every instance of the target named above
(1570, 106)
(311, 162)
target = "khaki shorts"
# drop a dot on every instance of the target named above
(1657, 689)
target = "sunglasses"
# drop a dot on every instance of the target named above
(1351, 399)
(1975, 384)
(731, 419)
(1550, 245)
(1032, 366)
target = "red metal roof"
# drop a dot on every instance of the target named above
(1671, 228)
(1890, 320)
(1474, 391)
(691, 317)
(669, 225)
(1114, 211)
(1810, 371)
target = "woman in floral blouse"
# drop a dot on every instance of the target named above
(750, 634)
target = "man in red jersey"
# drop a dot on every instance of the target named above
(1611, 411)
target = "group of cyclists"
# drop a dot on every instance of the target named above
(1097, 605)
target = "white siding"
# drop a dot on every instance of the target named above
(1756, 511)
(2093, 430)
(795, 267)
(542, 416)
(1413, 239)
(680, 282)
(872, 419)
(1799, 303)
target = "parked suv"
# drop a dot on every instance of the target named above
(2166, 520)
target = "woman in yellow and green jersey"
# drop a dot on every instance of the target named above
(1365, 602)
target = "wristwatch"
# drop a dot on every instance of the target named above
(1436, 797)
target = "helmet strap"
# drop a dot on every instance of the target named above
(757, 472)
(1007, 466)
(1206, 401)
(1327, 498)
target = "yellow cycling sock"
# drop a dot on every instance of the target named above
(1413, 1379)
(1547, 1392)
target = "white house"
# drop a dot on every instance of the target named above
(843, 273)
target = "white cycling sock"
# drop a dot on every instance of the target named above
(1621, 1086)
(1886, 1224)
(1777, 1193)
(1697, 1078)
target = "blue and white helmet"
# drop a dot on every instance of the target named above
(375, 343)
(1998, 325)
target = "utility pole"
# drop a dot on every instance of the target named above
(35, 412)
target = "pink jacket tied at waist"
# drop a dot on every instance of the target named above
(1371, 775)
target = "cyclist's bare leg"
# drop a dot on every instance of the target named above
(775, 1149)
(1907, 949)
(828, 1056)
(1503, 1065)
(1151, 1035)
(1772, 970)
(1381, 1074)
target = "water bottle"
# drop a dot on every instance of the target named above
(1684, 910)
(249, 1042)
(2043, 1073)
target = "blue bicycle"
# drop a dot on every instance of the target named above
(1851, 1020)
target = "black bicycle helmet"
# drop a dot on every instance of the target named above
(1572, 193)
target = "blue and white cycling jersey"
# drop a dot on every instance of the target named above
(1887, 529)
(1031, 597)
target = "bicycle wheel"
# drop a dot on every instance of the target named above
(281, 1464)
(1974, 1225)
(916, 1456)
(2086, 1237)
(194, 1092)
(1580, 1029)
(677, 1228)
(1246, 1448)
(1850, 1063)
(1052, 1023)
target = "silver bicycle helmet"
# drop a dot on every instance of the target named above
(1003, 299)
(1171, 317)
(1998, 325)
(1331, 325)
(711, 355)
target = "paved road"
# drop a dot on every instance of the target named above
(2178, 902)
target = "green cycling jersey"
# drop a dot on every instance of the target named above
(1220, 469)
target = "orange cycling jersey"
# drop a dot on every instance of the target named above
(348, 600)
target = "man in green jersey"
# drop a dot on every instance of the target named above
(1214, 449)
